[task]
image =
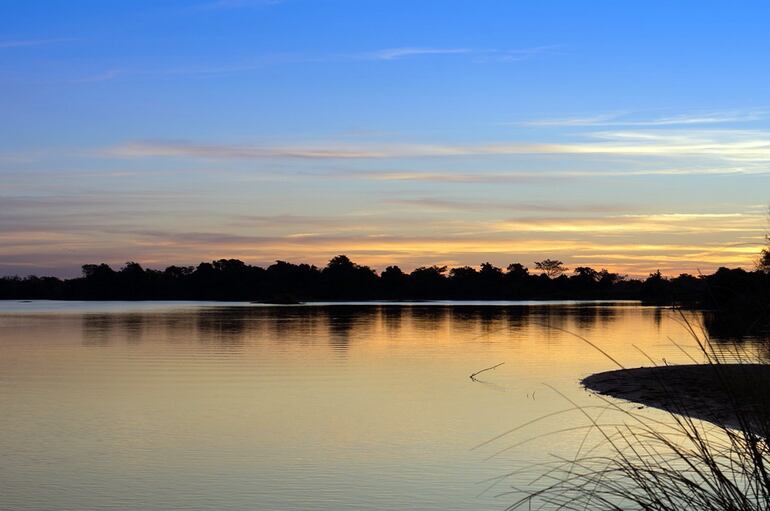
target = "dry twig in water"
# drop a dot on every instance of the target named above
(473, 376)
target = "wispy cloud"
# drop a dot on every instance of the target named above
(261, 61)
(730, 145)
(479, 55)
(516, 54)
(591, 120)
(624, 225)
(623, 119)
(399, 53)
(24, 43)
(441, 177)
(163, 247)
(433, 203)
(244, 152)
(518, 177)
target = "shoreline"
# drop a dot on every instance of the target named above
(716, 393)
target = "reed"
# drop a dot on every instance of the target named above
(636, 461)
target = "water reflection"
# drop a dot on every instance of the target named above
(335, 408)
(341, 326)
(234, 326)
(736, 327)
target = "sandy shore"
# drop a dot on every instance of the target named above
(712, 393)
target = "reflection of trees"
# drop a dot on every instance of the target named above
(481, 322)
(734, 326)
(428, 318)
(338, 326)
(657, 316)
(343, 321)
(133, 327)
(732, 334)
(102, 329)
(517, 318)
(585, 317)
(224, 327)
(552, 316)
(392, 319)
(97, 329)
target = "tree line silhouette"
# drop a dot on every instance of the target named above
(342, 279)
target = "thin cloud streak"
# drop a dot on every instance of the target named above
(730, 145)
(680, 241)
(617, 119)
(480, 55)
(259, 62)
(624, 225)
(399, 53)
(171, 247)
(594, 120)
(432, 203)
(515, 55)
(439, 177)
(516, 177)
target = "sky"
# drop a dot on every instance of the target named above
(632, 136)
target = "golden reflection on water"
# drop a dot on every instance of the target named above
(168, 406)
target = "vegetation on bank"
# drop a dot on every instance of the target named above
(342, 279)
(632, 460)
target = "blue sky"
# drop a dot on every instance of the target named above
(632, 136)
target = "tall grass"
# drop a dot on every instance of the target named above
(631, 460)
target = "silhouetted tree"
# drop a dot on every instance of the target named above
(132, 270)
(231, 266)
(764, 256)
(584, 281)
(393, 282)
(31, 287)
(517, 281)
(551, 267)
(464, 281)
(656, 289)
(686, 288)
(99, 282)
(287, 283)
(131, 282)
(517, 270)
(95, 271)
(744, 294)
(428, 282)
(738, 298)
(178, 272)
(490, 281)
(608, 279)
(343, 279)
(490, 271)
(586, 273)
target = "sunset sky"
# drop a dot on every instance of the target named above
(396, 132)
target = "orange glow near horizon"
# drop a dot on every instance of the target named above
(617, 255)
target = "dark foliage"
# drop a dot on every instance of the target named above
(736, 291)
(631, 460)
(764, 260)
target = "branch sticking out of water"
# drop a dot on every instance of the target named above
(473, 376)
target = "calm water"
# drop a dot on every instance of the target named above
(160, 406)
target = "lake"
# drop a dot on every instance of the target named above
(225, 406)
